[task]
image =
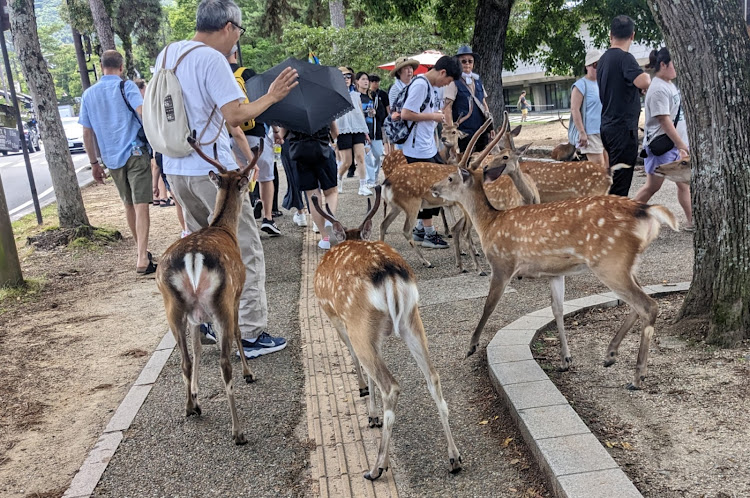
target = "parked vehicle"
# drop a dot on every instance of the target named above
(9, 140)
(32, 139)
(74, 134)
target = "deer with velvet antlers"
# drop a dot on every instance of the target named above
(369, 292)
(200, 279)
(606, 234)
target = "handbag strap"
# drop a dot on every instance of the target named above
(122, 92)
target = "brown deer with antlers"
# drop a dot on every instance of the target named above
(200, 279)
(606, 234)
(369, 292)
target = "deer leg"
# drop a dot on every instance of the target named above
(470, 242)
(417, 343)
(614, 345)
(411, 219)
(197, 347)
(498, 281)
(247, 373)
(557, 286)
(376, 369)
(387, 220)
(178, 325)
(225, 345)
(338, 324)
(457, 243)
(448, 232)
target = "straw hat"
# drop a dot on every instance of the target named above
(345, 70)
(402, 62)
(592, 56)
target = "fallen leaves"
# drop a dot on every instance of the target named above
(623, 445)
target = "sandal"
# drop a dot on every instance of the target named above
(166, 202)
(148, 270)
(156, 202)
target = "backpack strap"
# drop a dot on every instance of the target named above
(179, 59)
(122, 92)
(239, 71)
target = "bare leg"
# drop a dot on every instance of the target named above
(596, 158)
(359, 159)
(346, 161)
(266, 196)
(180, 215)
(652, 186)
(683, 197)
(557, 286)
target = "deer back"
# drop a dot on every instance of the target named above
(413, 181)
(566, 180)
(349, 273)
(392, 161)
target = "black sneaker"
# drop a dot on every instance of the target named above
(258, 209)
(434, 241)
(270, 228)
(417, 234)
(277, 214)
(208, 336)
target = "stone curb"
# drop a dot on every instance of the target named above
(87, 477)
(575, 463)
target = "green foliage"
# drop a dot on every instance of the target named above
(182, 19)
(549, 31)
(455, 19)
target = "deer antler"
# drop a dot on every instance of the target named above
(252, 163)
(216, 164)
(371, 211)
(473, 143)
(501, 132)
(461, 119)
(328, 216)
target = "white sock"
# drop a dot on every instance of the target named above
(362, 183)
(420, 224)
(429, 230)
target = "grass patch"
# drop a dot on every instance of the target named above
(27, 226)
(95, 238)
(30, 290)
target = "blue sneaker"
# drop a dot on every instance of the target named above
(263, 344)
(208, 336)
(417, 234)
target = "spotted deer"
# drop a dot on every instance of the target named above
(369, 292)
(677, 171)
(200, 279)
(606, 234)
(450, 135)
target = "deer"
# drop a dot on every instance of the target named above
(678, 171)
(200, 279)
(369, 292)
(450, 136)
(606, 234)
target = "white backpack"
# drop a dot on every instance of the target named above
(165, 120)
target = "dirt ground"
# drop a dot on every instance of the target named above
(686, 434)
(64, 360)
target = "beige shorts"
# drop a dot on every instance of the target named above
(133, 180)
(594, 146)
(265, 161)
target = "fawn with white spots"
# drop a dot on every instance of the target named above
(369, 292)
(606, 234)
(200, 278)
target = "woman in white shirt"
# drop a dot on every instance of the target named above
(666, 133)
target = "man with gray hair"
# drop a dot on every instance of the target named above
(211, 93)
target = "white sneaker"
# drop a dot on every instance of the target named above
(315, 228)
(185, 233)
(300, 219)
(324, 244)
(363, 190)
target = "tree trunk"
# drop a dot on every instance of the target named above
(711, 52)
(70, 209)
(336, 7)
(103, 25)
(127, 46)
(489, 44)
(83, 67)
(10, 267)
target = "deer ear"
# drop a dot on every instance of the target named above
(462, 134)
(215, 179)
(338, 232)
(490, 175)
(366, 230)
(522, 149)
(465, 175)
(243, 183)
(516, 131)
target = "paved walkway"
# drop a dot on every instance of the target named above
(344, 444)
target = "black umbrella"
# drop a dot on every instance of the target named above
(320, 97)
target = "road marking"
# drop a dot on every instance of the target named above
(42, 195)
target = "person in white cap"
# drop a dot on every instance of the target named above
(586, 110)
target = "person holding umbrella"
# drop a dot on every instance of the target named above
(353, 134)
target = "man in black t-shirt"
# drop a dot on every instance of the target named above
(265, 161)
(382, 106)
(621, 81)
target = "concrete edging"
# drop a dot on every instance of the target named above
(574, 462)
(92, 469)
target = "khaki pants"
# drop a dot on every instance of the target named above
(197, 196)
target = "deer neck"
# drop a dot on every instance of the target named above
(478, 207)
(227, 210)
(524, 187)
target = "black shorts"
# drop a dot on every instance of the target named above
(348, 140)
(317, 175)
(622, 146)
(427, 214)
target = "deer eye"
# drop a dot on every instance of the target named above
(450, 179)
(505, 158)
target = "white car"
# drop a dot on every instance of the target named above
(74, 134)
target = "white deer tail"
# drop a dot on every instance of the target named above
(664, 216)
(401, 297)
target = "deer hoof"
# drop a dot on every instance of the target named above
(374, 422)
(250, 378)
(196, 410)
(365, 391)
(464, 271)
(633, 387)
(463, 253)
(370, 476)
(239, 439)
(472, 350)
(563, 368)
(455, 465)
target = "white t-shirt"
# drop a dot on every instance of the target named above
(421, 141)
(207, 81)
(663, 98)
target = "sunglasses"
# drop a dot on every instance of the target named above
(242, 30)
(467, 61)
(348, 76)
(594, 64)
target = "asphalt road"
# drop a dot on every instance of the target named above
(16, 182)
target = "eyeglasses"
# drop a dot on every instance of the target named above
(467, 61)
(594, 64)
(242, 30)
(347, 76)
